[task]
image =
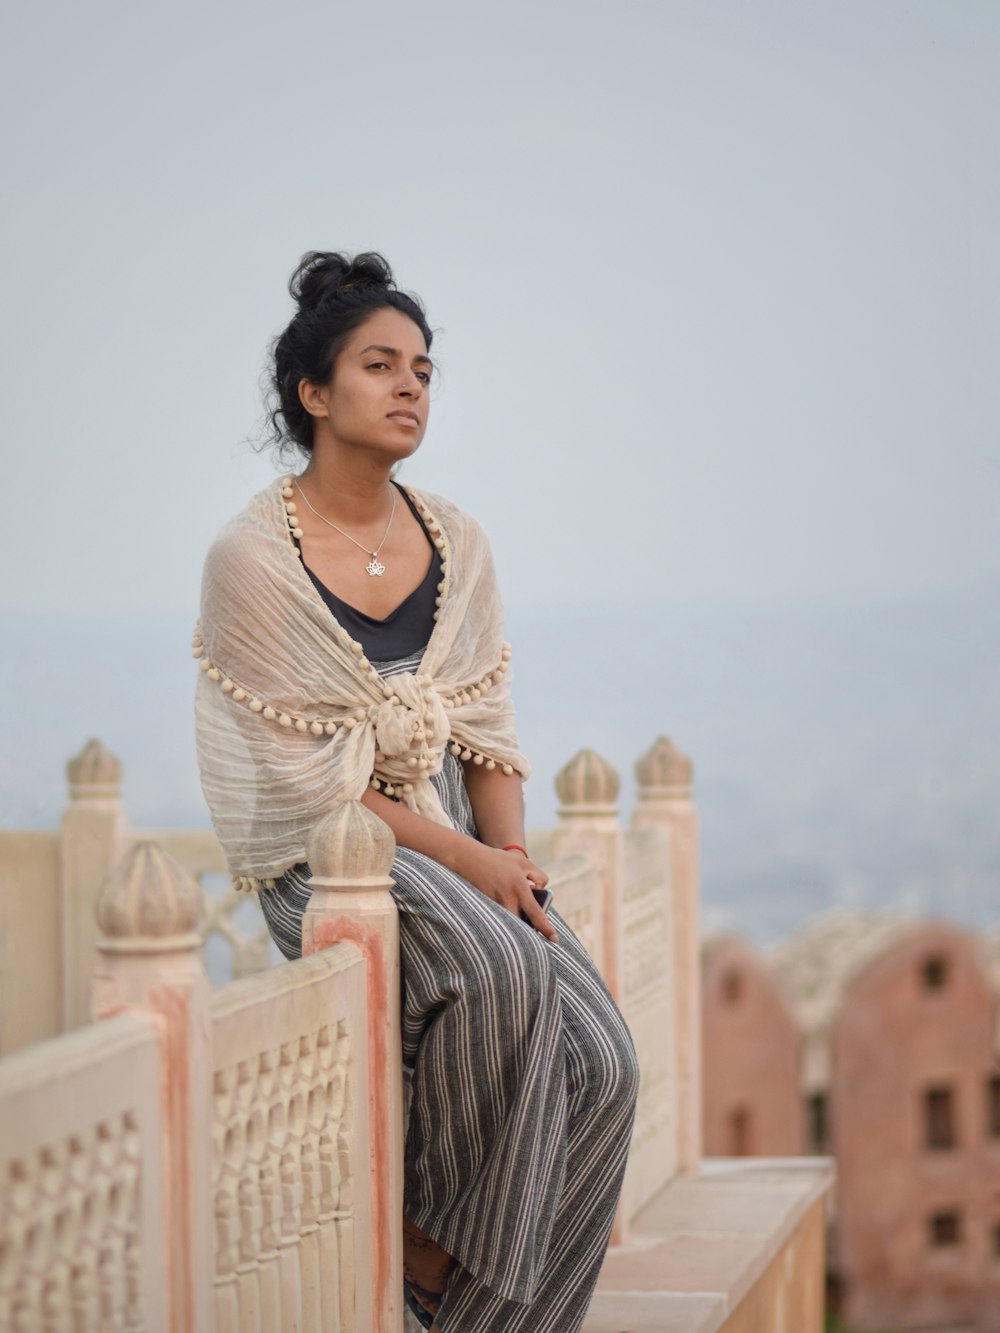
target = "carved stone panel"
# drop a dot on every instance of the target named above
(285, 1137)
(576, 890)
(81, 1245)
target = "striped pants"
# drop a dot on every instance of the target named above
(524, 1081)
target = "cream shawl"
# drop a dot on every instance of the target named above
(292, 719)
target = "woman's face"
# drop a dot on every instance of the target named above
(377, 399)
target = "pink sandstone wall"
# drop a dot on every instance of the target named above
(789, 1294)
(918, 1226)
(751, 1100)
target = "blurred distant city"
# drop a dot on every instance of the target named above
(844, 756)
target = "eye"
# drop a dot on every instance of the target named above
(424, 375)
(374, 365)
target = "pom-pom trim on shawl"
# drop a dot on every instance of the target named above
(319, 726)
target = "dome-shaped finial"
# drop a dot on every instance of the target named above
(95, 774)
(149, 898)
(587, 784)
(663, 770)
(351, 844)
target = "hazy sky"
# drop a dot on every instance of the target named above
(716, 283)
(716, 288)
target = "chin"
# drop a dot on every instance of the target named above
(399, 451)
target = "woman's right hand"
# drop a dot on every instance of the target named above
(507, 878)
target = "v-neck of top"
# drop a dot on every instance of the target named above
(404, 630)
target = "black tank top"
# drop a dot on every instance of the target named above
(404, 631)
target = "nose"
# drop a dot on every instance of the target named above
(409, 386)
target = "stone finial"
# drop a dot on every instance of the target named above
(663, 770)
(351, 844)
(95, 774)
(587, 784)
(149, 903)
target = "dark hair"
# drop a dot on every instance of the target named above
(334, 294)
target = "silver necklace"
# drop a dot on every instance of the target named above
(375, 568)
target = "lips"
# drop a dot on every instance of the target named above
(410, 418)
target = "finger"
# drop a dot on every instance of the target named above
(510, 899)
(537, 876)
(537, 917)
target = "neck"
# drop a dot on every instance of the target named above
(356, 491)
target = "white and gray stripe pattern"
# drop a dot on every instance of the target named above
(523, 1080)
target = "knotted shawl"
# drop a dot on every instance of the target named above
(291, 718)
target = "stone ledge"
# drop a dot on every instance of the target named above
(703, 1243)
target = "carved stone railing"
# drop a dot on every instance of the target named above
(630, 895)
(49, 882)
(81, 1223)
(232, 1159)
(350, 853)
(289, 1146)
(149, 961)
(663, 777)
(646, 887)
(92, 840)
(228, 1159)
(588, 826)
(576, 891)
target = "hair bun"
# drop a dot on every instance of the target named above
(323, 275)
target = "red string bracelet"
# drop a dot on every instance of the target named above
(514, 847)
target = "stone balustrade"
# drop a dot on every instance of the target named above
(275, 1197)
(227, 1159)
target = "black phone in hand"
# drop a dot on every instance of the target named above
(543, 897)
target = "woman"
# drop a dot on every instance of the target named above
(351, 645)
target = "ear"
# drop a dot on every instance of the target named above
(315, 398)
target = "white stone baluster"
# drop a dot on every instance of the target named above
(250, 1199)
(309, 1251)
(663, 775)
(270, 1189)
(290, 1230)
(346, 1195)
(327, 1114)
(351, 852)
(149, 959)
(587, 788)
(227, 1307)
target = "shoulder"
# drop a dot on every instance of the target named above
(256, 527)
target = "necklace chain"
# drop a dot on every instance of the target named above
(375, 567)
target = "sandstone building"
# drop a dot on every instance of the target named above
(894, 1030)
(751, 1102)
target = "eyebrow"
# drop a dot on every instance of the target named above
(391, 351)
